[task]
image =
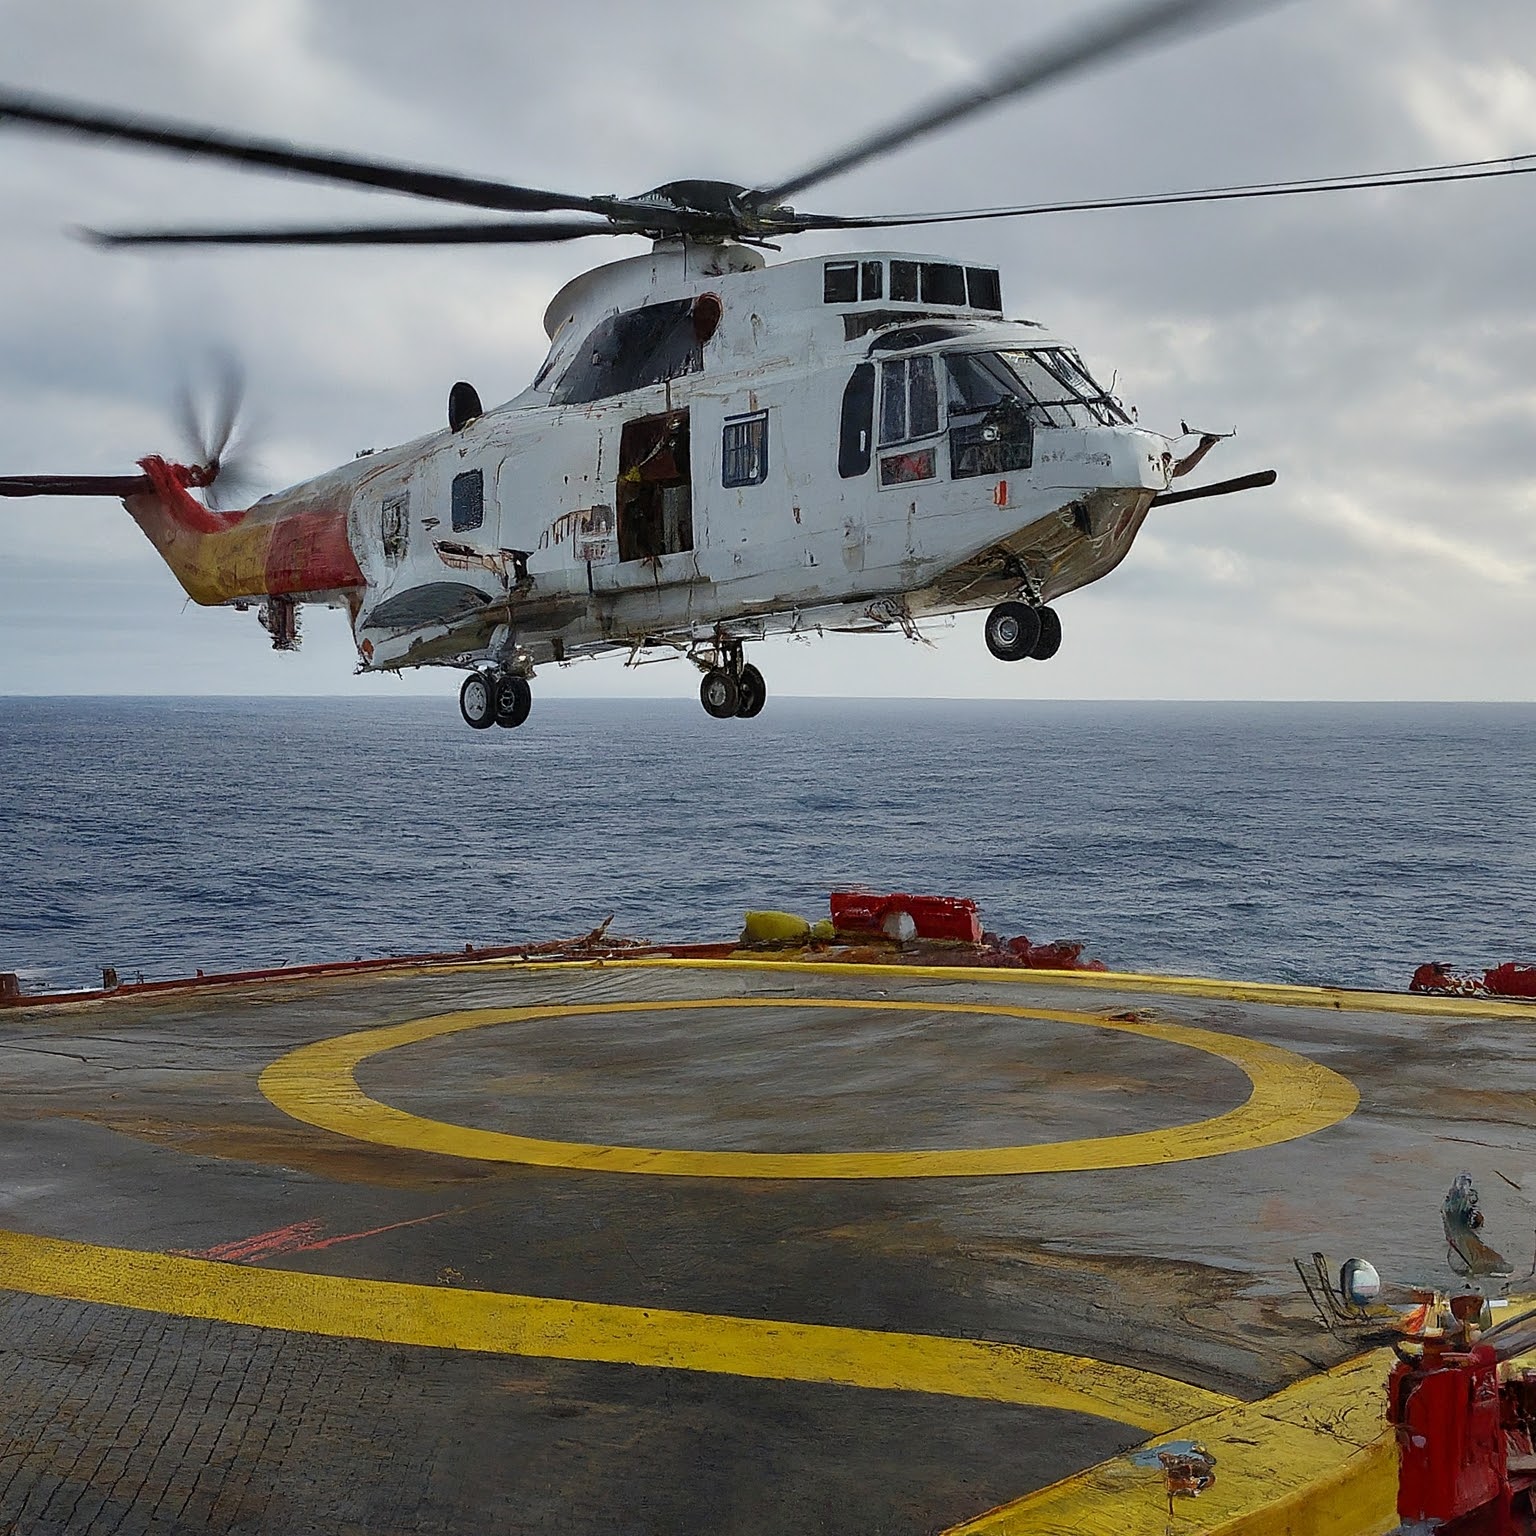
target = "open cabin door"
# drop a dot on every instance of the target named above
(653, 507)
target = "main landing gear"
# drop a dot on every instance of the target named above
(1016, 630)
(732, 688)
(495, 698)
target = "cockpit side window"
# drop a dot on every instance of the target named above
(991, 417)
(633, 350)
(909, 399)
(855, 438)
(978, 381)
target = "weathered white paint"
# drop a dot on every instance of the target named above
(806, 548)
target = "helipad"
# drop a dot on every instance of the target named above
(663, 1247)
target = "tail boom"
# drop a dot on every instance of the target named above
(284, 547)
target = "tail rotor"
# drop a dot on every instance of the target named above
(216, 430)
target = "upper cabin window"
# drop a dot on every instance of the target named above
(942, 283)
(634, 350)
(840, 282)
(909, 399)
(846, 282)
(744, 450)
(468, 501)
(986, 290)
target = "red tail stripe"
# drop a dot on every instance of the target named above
(170, 482)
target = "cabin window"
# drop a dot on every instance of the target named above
(655, 491)
(986, 290)
(872, 284)
(943, 283)
(904, 281)
(855, 436)
(909, 399)
(632, 351)
(840, 282)
(744, 450)
(395, 527)
(468, 500)
(903, 468)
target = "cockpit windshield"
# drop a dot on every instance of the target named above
(1063, 390)
(998, 399)
(1050, 381)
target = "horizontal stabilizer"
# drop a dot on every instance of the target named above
(74, 485)
(1221, 488)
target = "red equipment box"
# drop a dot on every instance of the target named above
(935, 917)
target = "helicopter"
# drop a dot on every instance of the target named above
(715, 449)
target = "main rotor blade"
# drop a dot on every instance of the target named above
(531, 233)
(276, 155)
(1102, 39)
(1466, 170)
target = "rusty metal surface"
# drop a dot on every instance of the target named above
(138, 1124)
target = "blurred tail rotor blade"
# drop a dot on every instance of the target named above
(211, 418)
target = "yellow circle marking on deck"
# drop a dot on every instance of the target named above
(1291, 1097)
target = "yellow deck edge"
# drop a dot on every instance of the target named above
(1315, 1459)
(1280, 994)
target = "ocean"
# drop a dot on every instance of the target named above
(1340, 843)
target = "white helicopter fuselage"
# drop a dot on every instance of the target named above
(764, 507)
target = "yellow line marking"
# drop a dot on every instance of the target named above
(493, 1322)
(1291, 1097)
(1273, 994)
(1316, 1457)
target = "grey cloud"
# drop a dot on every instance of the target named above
(1373, 349)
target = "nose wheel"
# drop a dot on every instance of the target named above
(1015, 631)
(495, 698)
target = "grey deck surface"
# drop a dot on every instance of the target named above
(138, 1124)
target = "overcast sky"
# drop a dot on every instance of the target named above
(1374, 348)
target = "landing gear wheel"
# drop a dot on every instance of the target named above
(754, 693)
(1050, 635)
(513, 701)
(1012, 631)
(477, 700)
(720, 693)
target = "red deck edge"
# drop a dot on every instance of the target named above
(325, 968)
